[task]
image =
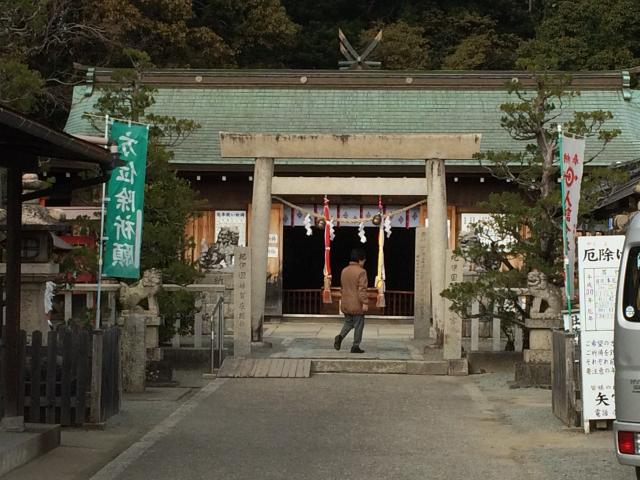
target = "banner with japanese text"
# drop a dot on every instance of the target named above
(123, 230)
(572, 160)
(598, 266)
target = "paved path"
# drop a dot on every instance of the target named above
(367, 427)
(315, 340)
(83, 452)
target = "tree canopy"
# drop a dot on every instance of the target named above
(40, 42)
(524, 233)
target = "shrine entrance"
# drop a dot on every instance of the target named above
(434, 149)
(303, 267)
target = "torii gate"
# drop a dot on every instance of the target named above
(434, 149)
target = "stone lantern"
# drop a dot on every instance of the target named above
(40, 226)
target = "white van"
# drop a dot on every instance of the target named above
(627, 352)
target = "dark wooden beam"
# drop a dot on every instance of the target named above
(364, 79)
(65, 189)
(12, 282)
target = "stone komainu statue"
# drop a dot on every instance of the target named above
(146, 288)
(478, 254)
(547, 298)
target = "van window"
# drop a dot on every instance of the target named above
(631, 294)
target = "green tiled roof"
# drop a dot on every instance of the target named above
(319, 110)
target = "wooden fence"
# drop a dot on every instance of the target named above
(487, 335)
(59, 382)
(565, 378)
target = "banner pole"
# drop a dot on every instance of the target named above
(567, 268)
(101, 238)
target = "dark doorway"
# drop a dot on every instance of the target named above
(303, 259)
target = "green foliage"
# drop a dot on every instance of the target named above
(174, 306)
(41, 41)
(20, 87)
(584, 35)
(76, 262)
(532, 216)
(259, 32)
(170, 203)
(403, 47)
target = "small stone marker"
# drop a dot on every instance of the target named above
(453, 321)
(242, 303)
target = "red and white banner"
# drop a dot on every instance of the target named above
(572, 167)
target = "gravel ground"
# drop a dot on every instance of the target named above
(542, 442)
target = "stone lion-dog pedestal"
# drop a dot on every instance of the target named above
(139, 329)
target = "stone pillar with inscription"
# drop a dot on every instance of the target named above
(242, 303)
(422, 294)
(453, 321)
(437, 234)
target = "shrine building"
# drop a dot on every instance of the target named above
(340, 103)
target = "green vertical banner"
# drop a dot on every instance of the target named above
(123, 232)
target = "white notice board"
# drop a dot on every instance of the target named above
(598, 265)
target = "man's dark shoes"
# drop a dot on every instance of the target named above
(356, 350)
(337, 342)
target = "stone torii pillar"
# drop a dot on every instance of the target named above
(438, 241)
(264, 147)
(260, 216)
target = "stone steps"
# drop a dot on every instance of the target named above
(17, 449)
(397, 367)
(303, 368)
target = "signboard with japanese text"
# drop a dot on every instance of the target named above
(598, 265)
(572, 166)
(489, 233)
(232, 224)
(123, 230)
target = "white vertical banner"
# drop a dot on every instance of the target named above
(572, 166)
(598, 266)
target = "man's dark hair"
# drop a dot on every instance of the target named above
(357, 254)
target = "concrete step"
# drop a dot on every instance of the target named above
(407, 367)
(337, 319)
(17, 449)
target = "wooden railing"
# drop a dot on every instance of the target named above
(309, 302)
(205, 321)
(398, 303)
(481, 332)
(302, 301)
(89, 291)
(206, 298)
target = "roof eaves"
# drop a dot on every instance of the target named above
(71, 148)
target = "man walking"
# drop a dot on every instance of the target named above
(354, 300)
